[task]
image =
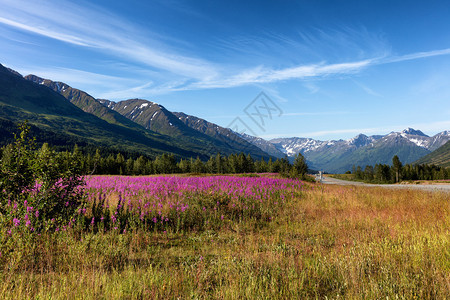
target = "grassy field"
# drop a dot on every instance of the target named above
(237, 238)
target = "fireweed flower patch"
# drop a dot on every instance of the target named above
(185, 203)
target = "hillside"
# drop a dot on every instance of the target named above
(440, 157)
(209, 137)
(338, 156)
(84, 101)
(21, 99)
(149, 119)
(264, 145)
(112, 113)
(225, 135)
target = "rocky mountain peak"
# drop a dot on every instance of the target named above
(412, 131)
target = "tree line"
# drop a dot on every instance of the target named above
(165, 163)
(383, 173)
(112, 163)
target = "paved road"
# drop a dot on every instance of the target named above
(426, 187)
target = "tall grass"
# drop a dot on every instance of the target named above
(322, 242)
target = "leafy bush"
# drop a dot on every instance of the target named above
(39, 188)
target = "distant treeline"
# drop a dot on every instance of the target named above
(382, 173)
(106, 160)
(118, 164)
(168, 164)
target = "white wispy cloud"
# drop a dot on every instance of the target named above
(77, 78)
(417, 55)
(267, 75)
(367, 89)
(320, 113)
(261, 75)
(93, 28)
(148, 89)
(312, 87)
(54, 35)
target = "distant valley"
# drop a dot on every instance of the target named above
(338, 156)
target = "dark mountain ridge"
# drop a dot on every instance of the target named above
(211, 137)
(21, 99)
(137, 117)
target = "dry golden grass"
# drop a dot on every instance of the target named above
(333, 241)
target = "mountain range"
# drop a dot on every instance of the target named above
(338, 156)
(49, 112)
(134, 125)
(66, 114)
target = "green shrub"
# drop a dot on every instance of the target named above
(39, 188)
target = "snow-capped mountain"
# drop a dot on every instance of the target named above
(183, 127)
(362, 140)
(438, 140)
(151, 118)
(420, 139)
(340, 155)
(411, 131)
(263, 144)
(292, 146)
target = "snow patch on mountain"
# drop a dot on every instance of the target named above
(292, 146)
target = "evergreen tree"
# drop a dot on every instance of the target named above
(276, 166)
(359, 173)
(397, 168)
(120, 164)
(129, 166)
(211, 165)
(368, 173)
(261, 166)
(249, 164)
(97, 162)
(139, 166)
(300, 168)
(198, 166)
(240, 163)
(219, 164)
(184, 166)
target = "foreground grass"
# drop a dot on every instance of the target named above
(333, 241)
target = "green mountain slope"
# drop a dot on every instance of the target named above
(152, 116)
(21, 100)
(225, 135)
(84, 101)
(264, 145)
(440, 157)
(157, 118)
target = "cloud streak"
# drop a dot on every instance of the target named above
(94, 29)
(321, 113)
(417, 55)
(87, 28)
(54, 35)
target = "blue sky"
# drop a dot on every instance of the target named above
(333, 68)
